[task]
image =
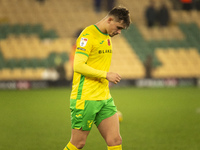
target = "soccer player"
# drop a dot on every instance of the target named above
(90, 101)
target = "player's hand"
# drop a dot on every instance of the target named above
(113, 77)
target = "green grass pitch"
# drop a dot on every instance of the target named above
(153, 119)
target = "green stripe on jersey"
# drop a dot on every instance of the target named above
(80, 87)
(82, 53)
(100, 30)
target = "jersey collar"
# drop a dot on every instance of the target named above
(100, 30)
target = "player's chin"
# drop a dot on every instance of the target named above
(111, 35)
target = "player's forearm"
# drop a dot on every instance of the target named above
(88, 71)
(81, 67)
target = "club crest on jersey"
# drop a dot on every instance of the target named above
(83, 42)
(108, 42)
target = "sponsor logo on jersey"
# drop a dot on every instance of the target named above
(79, 48)
(101, 42)
(83, 42)
(105, 51)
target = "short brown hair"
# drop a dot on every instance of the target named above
(121, 13)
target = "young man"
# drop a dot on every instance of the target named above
(90, 101)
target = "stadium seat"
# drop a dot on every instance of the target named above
(27, 39)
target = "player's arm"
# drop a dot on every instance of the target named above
(81, 67)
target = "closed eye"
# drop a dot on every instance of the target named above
(120, 28)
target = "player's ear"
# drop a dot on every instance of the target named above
(110, 19)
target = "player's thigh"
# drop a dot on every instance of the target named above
(109, 126)
(109, 129)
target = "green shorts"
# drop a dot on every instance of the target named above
(85, 113)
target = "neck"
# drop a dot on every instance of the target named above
(101, 25)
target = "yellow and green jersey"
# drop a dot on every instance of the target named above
(91, 64)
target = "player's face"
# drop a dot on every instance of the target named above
(115, 28)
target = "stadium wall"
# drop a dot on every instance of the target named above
(140, 83)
